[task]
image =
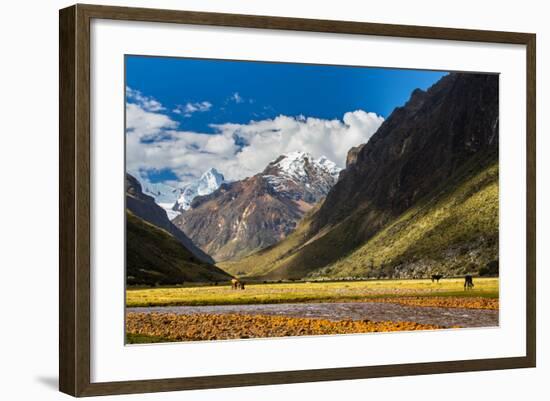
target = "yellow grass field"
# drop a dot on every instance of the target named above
(448, 292)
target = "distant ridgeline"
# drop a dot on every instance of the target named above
(420, 197)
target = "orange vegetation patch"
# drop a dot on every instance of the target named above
(233, 326)
(443, 302)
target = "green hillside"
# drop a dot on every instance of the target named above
(153, 256)
(453, 231)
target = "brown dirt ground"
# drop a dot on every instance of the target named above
(235, 326)
(442, 302)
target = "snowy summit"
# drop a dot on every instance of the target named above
(205, 185)
(300, 176)
(295, 165)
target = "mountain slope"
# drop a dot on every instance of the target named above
(269, 259)
(145, 207)
(163, 194)
(245, 216)
(154, 256)
(417, 148)
(434, 144)
(453, 231)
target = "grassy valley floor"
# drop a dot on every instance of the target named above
(335, 291)
(210, 312)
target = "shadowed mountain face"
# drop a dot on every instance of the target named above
(442, 145)
(155, 257)
(259, 211)
(144, 207)
(418, 148)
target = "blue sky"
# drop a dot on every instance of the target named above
(187, 115)
(266, 90)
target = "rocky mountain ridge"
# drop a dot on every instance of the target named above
(243, 216)
(437, 158)
(144, 207)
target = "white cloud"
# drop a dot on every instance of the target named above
(145, 124)
(237, 98)
(239, 150)
(145, 102)
(267, 139)
(189, 108)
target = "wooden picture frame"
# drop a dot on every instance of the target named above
(74, 203)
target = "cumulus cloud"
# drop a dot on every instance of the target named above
(145, 102)
(189, 108)
(265, 140)
(239, 150)
(147, 125)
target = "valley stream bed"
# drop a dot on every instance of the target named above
(181, 323)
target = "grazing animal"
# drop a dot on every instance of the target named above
(234, 283)
(468, 282)
(436, 277)
(237, 284)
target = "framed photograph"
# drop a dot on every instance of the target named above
(250, 200)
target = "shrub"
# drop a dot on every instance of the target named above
(490, 269)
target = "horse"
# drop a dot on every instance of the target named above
(436, 277)
(237, 284)
(468, 282)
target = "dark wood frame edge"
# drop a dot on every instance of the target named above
(74, 199)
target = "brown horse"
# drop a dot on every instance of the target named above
(236, 284)
(468, 282)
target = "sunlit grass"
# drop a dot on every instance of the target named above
(132, 338)
(348, 291)
(466, 215)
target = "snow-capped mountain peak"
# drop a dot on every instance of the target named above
(300, 176)
(329, 166)
(176, 199)
(209, 181)
(295, 164)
